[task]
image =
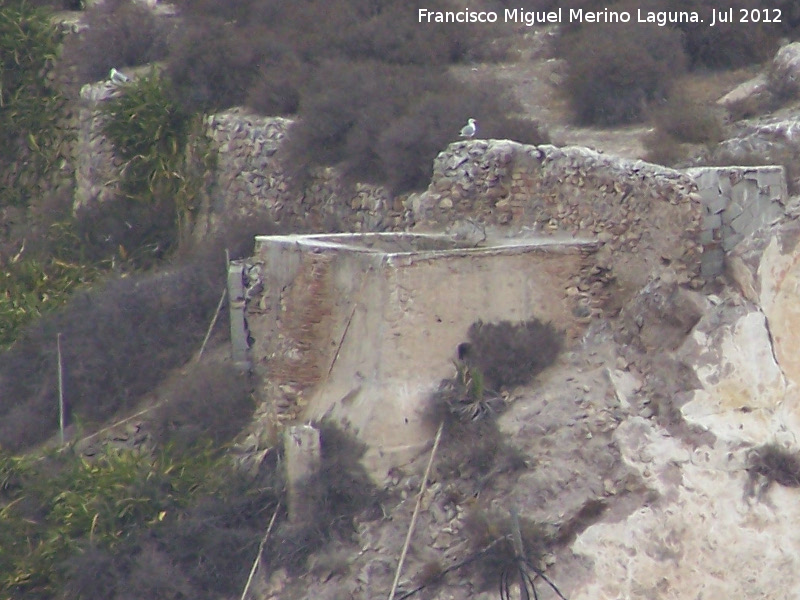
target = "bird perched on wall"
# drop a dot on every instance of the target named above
(470, 129)
(116, 77)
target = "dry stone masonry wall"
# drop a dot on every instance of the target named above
(250, 175)
(97, 169)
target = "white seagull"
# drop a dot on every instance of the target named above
(469, 129)
(116, 77)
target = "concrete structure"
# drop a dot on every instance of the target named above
(302, 451)
(363, 327)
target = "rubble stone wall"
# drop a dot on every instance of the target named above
(97, 168)
(250, 175)
(645, 214)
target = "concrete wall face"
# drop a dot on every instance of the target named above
(364, 336)
(736, 201)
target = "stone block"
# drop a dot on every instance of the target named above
(712, 263)
(713, 221)
(733, 210)
(239, 334)
(730, 240)
(714, 202)
(707, 236)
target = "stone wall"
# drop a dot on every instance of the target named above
(250, 176)
(645, 214)
(737, 201)
(97, 169)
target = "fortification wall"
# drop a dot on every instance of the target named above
(647, 216)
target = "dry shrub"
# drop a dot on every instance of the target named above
(472, 450)
(394, 35)
(770, 464)
(688, 121)
(154, 575)
(616, 71)
(119, 33)
(681, 121)
(490, 534)
(662, 148)
(117, 343)
(727, 45)
(144, 233)
(385, 123)
(215, 543)
(212, 65)
(209, 401)
(276, 88)
(118, 340)
(510, 354)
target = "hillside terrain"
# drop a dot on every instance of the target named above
(650, 452)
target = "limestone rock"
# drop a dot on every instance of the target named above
(751, 90)
(784, 74)
(661, 316)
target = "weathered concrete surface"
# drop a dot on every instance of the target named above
(301, 445)
(360, 329)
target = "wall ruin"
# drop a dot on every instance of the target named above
(362, 327)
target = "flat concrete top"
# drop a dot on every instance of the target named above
(430, 245)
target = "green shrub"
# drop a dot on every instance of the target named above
(32, 288)
(130, 524)
(164, 158)
(30, 107)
